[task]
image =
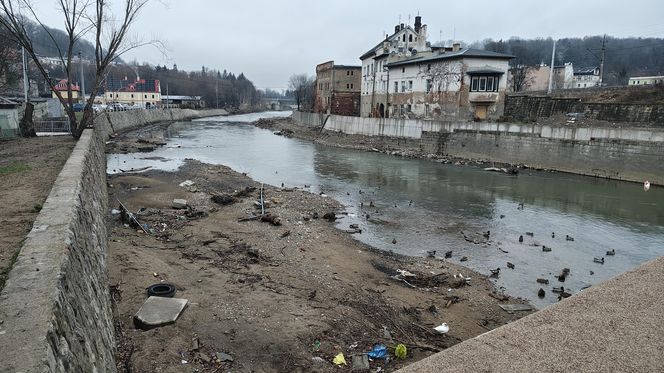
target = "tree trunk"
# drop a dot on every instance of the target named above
(26, 126)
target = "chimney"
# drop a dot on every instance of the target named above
(418, 24)
(456, 47)
(396, 29)
(403, 26)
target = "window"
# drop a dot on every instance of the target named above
(410, 85)
(152, 96)
(401, 109)
(410, 38)
(403, 70)
(352, 73)
(486, 83)
(132, 95)
(396, 87)
(429, 67)
(426, 110)
(403, 86)
(409, 108)
(347, 86)
(404, 37)
(428, 85)
(146, 96)
(351, 85)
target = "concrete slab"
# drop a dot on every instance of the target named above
(179, 203)
(159, 311)
(361, 362)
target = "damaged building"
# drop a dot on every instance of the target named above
(405, 77)
(338, 89)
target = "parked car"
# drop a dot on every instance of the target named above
(98, 108)
(117, 106)
(79, 107)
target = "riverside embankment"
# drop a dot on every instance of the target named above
(55, 308)
(627, 153)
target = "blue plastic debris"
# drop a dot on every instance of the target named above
(379, 352)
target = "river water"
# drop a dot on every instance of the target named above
(425, 205)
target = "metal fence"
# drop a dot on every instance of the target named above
(57, 125)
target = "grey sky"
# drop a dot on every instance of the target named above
(270, 40)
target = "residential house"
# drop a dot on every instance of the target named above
(338, 89)
(61, 87)
(406, 42)
(587, 77)
(646, 80)
(144, 93)
(450, 84)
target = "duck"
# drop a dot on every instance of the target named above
(611, 252)
(520, 238)
(541, 293)
(502, 216)
(448, 254)
(553, 234)
(531, 234)
(563, 295)
(569, 238)
(394, 241)
(510, 265)
(494, 272)
(371, 204)
(558, 290)
(487, 234)
(546, 249)
(520, 206)
(598, 260)
(464, 259)
(592, 273)
(542, 281)
(431, 253)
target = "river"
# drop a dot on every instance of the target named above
(425, 205)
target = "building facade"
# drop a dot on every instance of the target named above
(587, 77)
(537, 77)
(646, 80)
(63, 89)
(338, 89)
(142, 93)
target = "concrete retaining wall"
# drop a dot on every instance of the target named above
(634, 154)
(55, 307)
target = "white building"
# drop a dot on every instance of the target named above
(587, 77)
(646, 80)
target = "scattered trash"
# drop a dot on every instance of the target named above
(339, 359)
(318, 360)
(515, 307)
(379, 351)
(179, 203)
(195, 344)
(222, 356)
(400, 351)
(316, 345)
(187, 183)
(115, 211)
(646, 185)
(361, 362)
(442, 328)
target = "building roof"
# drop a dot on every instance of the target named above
(485, 70)
(389, 38)
(647, 77)
(183, 98)
(463, 53)
(588, 70)
(62, 86)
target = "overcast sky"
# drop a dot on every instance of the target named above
(269, 40)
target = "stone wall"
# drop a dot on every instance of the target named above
(634, 154)
(530, 108)
(55, 307)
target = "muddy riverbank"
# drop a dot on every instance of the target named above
(279, 298)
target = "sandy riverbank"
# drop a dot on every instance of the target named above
(266, 294)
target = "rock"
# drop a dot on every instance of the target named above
(159, 311)
(222, 356)
(179, 203)
(361, 362)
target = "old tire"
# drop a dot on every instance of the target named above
(161, 290)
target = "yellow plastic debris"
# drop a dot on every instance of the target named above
(339, 359)
(400, 351)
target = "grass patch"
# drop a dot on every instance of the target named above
(4, 273)
(13, 168)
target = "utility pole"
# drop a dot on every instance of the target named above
(601, 64)
(553, 60)
(80, 61)
(216, 92)
(26, 99)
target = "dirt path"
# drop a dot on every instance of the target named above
(28, 168)
(284, 298)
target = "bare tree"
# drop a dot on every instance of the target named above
(81, 18)
(442, 75)
(520, 78)
(303, 88)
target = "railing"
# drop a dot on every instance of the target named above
(58, 125)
